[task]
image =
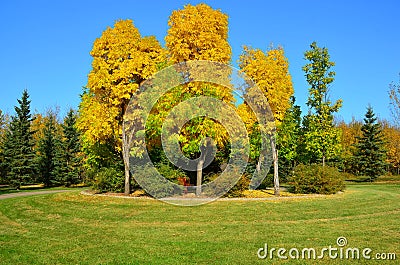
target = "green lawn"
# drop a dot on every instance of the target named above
(70, 228)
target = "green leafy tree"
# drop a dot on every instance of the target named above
(18, 145)
(370, 154)
(322, 138)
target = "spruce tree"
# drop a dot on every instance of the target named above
(47, 152)
(289, 139)
(370, 153)
(18, 145)
(68, 156)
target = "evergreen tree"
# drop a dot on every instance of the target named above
(289, 139)
(18, 145)
(47, 150)
(68, 156)
(370, 154)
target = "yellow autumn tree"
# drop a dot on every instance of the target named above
(392, 145)
(270, 71)
(199, 33)
(122, 59)
(349, 134)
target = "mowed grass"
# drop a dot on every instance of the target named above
(71, 228)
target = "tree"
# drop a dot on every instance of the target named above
(270, 71)
(322, 139)
(394, 95)
(122, 59)
(47, 150)
(289, 139)
(3, 128)
(18, 145)
(392, 145)
(198, 33)
(349, 133)
(370, 153)
(68, 157)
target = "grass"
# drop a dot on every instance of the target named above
(70, 228)
(5, 189)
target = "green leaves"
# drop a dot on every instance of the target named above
(322, 139)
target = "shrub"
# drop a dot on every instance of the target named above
(107, 179)
(220, 185)
(316, 179)
(153, 184)
(169, 172)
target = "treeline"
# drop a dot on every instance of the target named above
(36, 148)
(367, 147)
(89, 146)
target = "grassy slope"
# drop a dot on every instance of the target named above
(74, 229)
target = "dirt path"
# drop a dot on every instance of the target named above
(29, 193)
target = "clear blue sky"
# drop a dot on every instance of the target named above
(45, 45)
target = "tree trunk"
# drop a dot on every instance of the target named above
(127, 180)
(199, 175)
(275, 161)
(323, 160)
(125, 154)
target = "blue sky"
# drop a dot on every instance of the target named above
(45, 45)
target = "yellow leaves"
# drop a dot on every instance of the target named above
(271, 73)
(121, 60)
(96, 119)
(392, 136)
(198, 33)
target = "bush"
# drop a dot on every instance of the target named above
(169, 172)
(220, 185)
(153, 183)
(316, 179)
(107, 179)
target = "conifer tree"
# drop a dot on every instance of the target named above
(47, 150)
(68, 157)
(18, 145)
(370, 154)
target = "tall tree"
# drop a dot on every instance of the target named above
(68, 156)
(47, 150)
(122, 59)
(18, 145)
(289, 138)
(394, 95)
(322, 139)
(370, 153)
(3, 128)
(199, 33)
(270, 71)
